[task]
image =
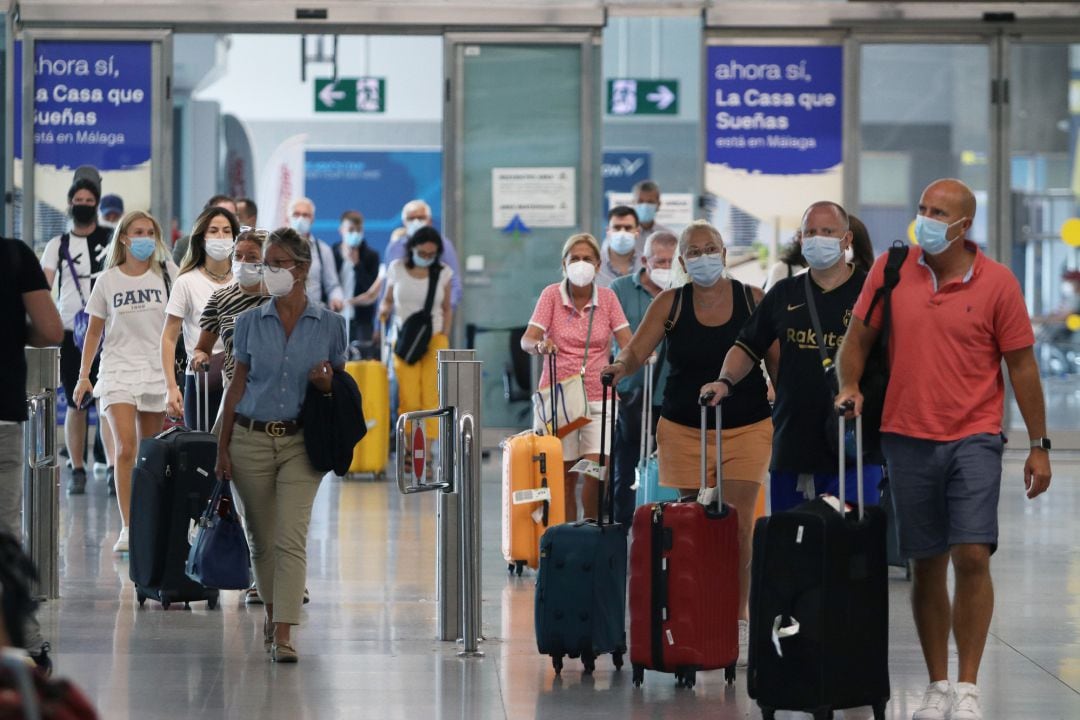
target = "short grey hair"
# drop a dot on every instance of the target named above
(645, 186)
(703, 226)
(660, 238)
(837, 209)
(297, 201)
(415, 205)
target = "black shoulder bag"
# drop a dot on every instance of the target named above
(415, 334)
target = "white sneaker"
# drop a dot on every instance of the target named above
(936, 702)
(99, 470)
(121, 545)
(966, 705)
(744, 643)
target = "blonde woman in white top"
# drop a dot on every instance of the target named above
(128, 304)
(206, 268)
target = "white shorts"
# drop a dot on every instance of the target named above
(149, 403)
(586, 440)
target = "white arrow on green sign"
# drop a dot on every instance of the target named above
(633, 96)
(351, 95)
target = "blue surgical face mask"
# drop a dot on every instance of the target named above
(143, 247)
(621, 242)
(821, 251)
(300, 224)
(420, 261)
(706, 269)
(646, 212)
(932, 235)
(353, 239)
(411, 226)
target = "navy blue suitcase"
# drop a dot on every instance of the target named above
(581, 583)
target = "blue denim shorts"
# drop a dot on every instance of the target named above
(944, 493)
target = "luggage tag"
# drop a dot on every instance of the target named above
(531, 495)
(707, 496)
(588, 467)
(834, 503)
(779, 633)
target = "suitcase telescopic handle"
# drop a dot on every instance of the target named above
(646, 416)
(607, 493)
(842, 411)
(704, 401)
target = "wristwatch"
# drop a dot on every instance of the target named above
(1042, 443)
(726, 381)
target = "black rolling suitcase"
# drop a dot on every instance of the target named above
(819, 608)
(170, 487)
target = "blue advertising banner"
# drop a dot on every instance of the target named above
(92, 104)
(622, 169)
(377, 183)
(775, 110)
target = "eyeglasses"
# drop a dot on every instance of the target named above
(277, 266)
(695, 252)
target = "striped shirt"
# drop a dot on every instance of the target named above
(219, 317)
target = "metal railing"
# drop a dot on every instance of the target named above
(41, 474)
(456, 476)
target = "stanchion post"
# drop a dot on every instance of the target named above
(41, 473)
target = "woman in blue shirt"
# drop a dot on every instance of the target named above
(279, 348)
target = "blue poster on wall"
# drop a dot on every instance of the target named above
(92, 104)
(622, 169)
(376, 183)
(775, 110)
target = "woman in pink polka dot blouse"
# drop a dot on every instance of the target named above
(560, 325)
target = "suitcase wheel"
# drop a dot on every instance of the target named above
(589, 662)
(685, 678)
(165, 604)
(187, 606)
(879, 711)
(768, 714)
(617, 659)
(729, 674)
(825, 714)
(639, 675)
(141, 598)
(556, 662)
(516, 567)
(212, 603)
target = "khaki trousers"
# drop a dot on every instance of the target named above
(277, 486)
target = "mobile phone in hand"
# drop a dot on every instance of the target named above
(86, 400)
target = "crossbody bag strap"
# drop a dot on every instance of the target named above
(669, 324)
(65, 240)
(433, 285)
(826, 361)
(588, 337)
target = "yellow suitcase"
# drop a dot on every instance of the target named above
(371, 454)
(531, 463)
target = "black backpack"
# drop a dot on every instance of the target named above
(415, 333)
(876, 373)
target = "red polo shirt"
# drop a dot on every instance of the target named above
(946, 346)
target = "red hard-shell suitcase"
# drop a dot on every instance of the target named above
(684, 584)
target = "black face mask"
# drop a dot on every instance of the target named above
(83, 214)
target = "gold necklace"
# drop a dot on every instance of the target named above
(214, 276)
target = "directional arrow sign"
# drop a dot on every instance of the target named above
(633, 96)
(352, 95)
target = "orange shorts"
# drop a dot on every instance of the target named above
(747, 451)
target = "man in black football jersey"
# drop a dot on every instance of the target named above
(804, 458)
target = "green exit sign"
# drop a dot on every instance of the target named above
(350, 95)
(633, 96)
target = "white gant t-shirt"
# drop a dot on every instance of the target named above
(133, 308)
(189, 296)
(410, 294)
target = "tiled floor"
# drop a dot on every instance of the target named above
(367, 642)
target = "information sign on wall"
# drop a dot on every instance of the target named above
(540, 196)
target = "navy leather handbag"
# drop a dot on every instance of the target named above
(219, 556)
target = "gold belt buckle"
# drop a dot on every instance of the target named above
(275, 428)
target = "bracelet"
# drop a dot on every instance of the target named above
(536, 347)
(726, 381)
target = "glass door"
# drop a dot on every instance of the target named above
(924, 113)
(1043, 216)
(521, 164)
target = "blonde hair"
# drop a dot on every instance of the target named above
(579, 239)
(117, 252)
(689, 230)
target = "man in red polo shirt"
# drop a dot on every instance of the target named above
(955, 314)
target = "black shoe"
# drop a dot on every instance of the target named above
(77, 486)
(110, 479)
(42, 660)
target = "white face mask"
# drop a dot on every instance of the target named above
(412, 226)
(581, 273)
(248, 275)
(279, 282)
(219, 248)
(661, 276)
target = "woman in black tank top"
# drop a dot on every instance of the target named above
(701, 321)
